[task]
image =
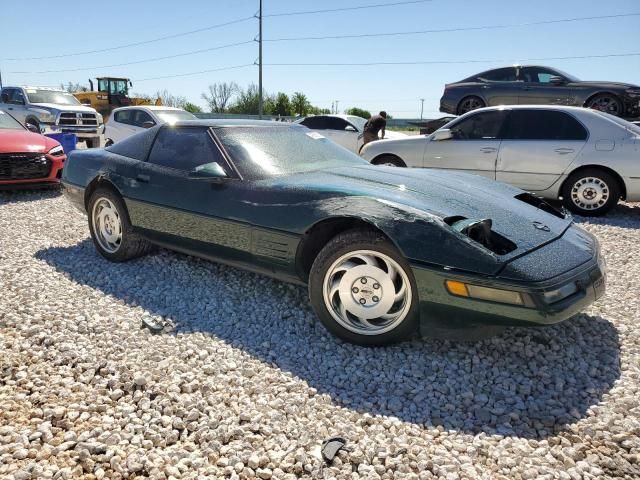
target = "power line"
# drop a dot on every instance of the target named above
(445, 62)
(195, 73)
(344, 9)
(135, 44)
(192, 52)
(452, 29)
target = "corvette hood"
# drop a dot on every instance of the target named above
(440, 195)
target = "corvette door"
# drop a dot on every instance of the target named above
(538, 146)
(184, 212)
(473, 148)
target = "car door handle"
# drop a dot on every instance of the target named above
(526, 88)
(488, 149)
(143, 178)
(564, 151)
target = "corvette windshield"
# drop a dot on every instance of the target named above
(261, 152)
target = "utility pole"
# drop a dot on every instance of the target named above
(337, 109)
(260, 62)
(0, 78)
(332, 108)
(421, 107)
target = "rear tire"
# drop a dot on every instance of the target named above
(470, 103)
(111, 230)
(389, 161)
(590, 192)
(363, 289)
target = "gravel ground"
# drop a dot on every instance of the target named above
(244, 382)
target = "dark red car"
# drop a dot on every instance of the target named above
(27, 158)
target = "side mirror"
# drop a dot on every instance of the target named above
(148, 124)
(32, 128)
(207, 171)
(350, 128)
(442, 134)
(555, 80)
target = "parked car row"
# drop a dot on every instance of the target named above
(587, 158)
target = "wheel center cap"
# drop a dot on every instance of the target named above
(367, 291)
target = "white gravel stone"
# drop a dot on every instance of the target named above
(244, 382)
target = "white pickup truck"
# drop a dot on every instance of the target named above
(52, 110)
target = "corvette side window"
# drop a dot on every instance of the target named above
(185, 148)
(480, 126)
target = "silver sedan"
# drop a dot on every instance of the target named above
(586, 158)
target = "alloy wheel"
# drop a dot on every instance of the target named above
(606, 103)
(470, 104)
(107, 225)
(367, 292)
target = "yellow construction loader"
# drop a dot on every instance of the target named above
(112, 92)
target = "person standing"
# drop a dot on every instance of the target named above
(373, 126)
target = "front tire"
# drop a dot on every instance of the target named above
(470, 103)
(606, 102)
(590, 192)
(111, 230)
(363, 290)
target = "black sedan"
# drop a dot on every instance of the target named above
(534, 85)
(382, 249)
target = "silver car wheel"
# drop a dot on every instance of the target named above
(590, 193)
(107, 225)
(367, 292)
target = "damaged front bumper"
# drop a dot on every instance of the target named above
(545, 302)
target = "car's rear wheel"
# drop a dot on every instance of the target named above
(590, 192)
(363, 290)
(110, 228)
(389, 161)
(470, 103)
(606, 102)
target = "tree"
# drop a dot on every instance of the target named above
(358, 112)
(282, 105)
(73, 87)
(169, 100)
(191, 107)
(219, 96)
(300, 104)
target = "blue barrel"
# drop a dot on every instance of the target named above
(67, 140)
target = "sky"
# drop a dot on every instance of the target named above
(58, 31)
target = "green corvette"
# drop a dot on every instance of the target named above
(384, 250)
